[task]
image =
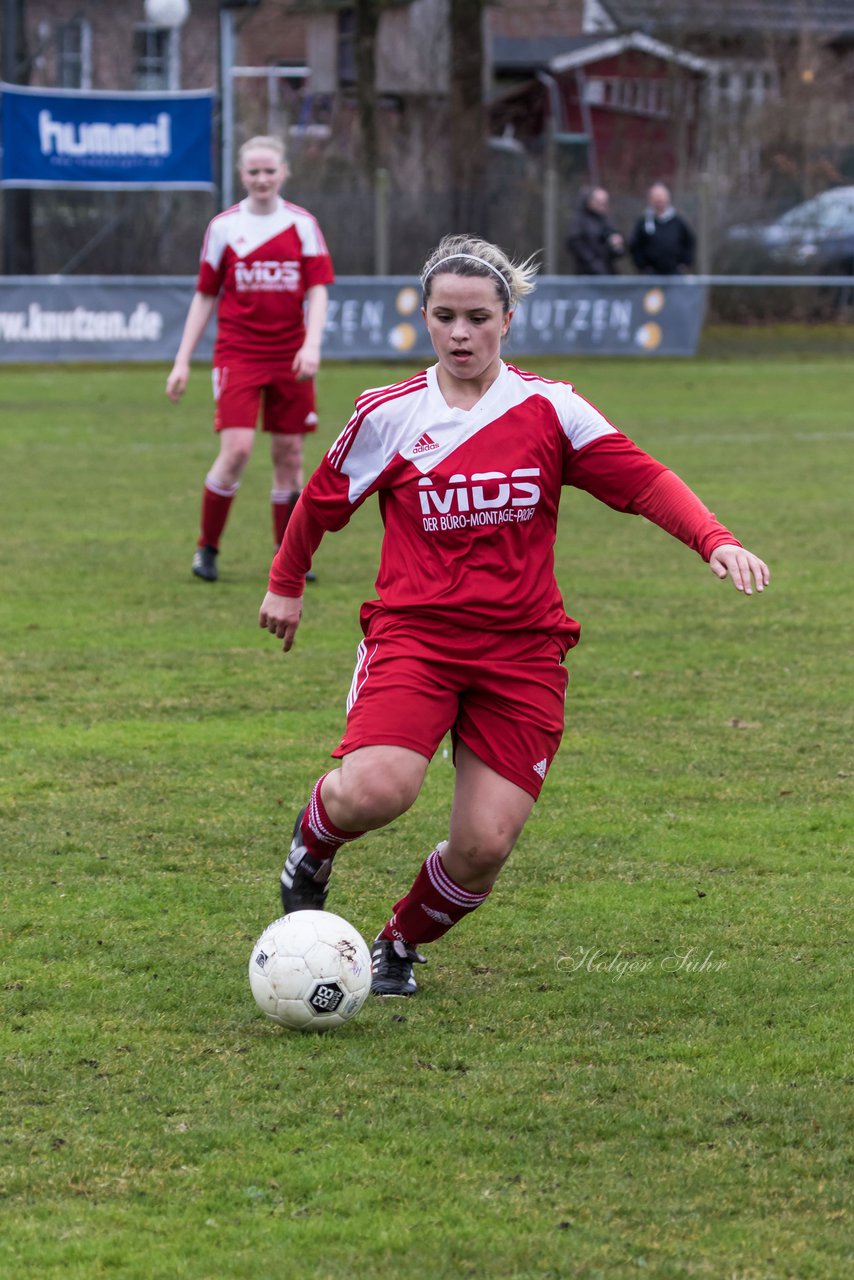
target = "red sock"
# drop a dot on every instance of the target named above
(216, 504)
(320, 835)
(283, 502)
(433, 905)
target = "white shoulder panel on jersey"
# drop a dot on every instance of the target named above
(216, 237)
(368, 456)
(308, 230)
(581, 421)
(384, 421)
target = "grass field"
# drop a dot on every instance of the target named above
(635, 1060)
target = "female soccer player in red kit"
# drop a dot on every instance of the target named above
(469, 632)
(265, 266)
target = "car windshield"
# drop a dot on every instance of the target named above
(831, 211)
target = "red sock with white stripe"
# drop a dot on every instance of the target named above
(434, 904)
(282, 502)
(320, 835)
(216, 504)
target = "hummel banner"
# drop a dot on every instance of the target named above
(113, 141)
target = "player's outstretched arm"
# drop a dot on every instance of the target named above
(280, 615)
(668, 502)
(741, 566)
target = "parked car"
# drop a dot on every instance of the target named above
(814, 238)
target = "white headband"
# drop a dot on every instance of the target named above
(471, 258)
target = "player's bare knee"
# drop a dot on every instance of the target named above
(375, 807)
(374, 801)
(486, 853)
(287, 451)
(235, 460)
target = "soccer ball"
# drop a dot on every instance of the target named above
(310, 970)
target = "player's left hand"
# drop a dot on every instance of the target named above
(306, 362)
(742, 566)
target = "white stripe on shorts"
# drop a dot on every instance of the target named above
(360, 675)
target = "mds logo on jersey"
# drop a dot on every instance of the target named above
(276, 277)
(486, 497)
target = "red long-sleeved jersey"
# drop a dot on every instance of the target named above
(469, 498)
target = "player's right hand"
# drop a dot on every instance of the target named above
(176, 383)
(280, 615)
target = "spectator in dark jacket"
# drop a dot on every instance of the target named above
(593, 241)
(662, 243)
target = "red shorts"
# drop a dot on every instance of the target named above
(502, 694)
(238, 388)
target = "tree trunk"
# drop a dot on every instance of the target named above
(468, 117)
(368, 13)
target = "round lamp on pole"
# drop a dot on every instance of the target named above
(167, 13)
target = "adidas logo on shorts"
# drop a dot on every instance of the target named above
(540, 767)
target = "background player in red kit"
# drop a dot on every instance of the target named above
(469, 631)
(266, 264)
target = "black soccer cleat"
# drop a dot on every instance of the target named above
(391, 965)
(304, 882)
(204, 563)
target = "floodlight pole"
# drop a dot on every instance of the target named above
(11, 35)
(550, 175)
(226, 89)
(12, 18)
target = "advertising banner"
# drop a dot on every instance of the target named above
(111, 141)
(631, 315)
(370, 318)
(47, 320)
(617, 316)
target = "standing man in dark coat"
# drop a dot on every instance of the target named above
(662, 243)
(593, 241)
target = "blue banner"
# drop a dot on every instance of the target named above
(111, 141)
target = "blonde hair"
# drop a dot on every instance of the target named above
(464, 255)
(262, 140)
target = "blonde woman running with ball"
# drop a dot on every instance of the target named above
(468, 632)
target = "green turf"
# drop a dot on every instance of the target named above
(635, 1060)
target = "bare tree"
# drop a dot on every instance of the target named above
(467, 114)
(368, 14)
